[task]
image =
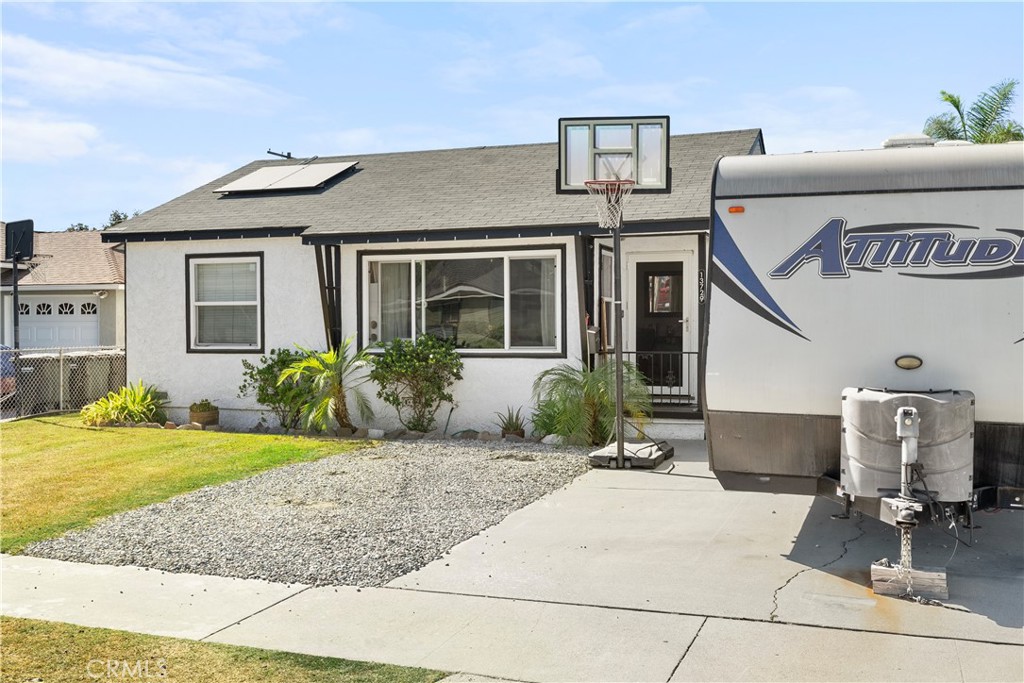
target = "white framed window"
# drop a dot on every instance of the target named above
(225, 302)
(483, 301)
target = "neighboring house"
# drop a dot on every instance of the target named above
(480, 245)
(71, 294)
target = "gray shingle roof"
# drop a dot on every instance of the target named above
(71, 258)
(452, 189)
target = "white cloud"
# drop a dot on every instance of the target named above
(659, 95)
(228, 34)
(556, 58)
(392, 138)
(34, 137)
(91, 75)
(552, 59)
(805, 118)
(466, 74)
(686, 16)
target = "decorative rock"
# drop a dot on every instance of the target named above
(513, 437)
(170, 425)
(394, 434)
(361, 433)
(552, 440)
(436, 435)
(411, 435)
(488, 436)
(345, 432)
(212, 428)
(150, 425)
(198, 424)
(337, 514)
(190, 426)
(375, 433)
(467, 434)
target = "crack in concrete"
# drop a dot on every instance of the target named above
(773, 616)
(687, 650)
(259, 611)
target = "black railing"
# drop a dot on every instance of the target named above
(671, 375)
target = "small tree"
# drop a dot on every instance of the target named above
(285, 400)
(331, 375)
(578, 403)
(415, 378)
(986, 121)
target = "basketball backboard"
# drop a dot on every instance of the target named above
(18, 239)
(614, 148)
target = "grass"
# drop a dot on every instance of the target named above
(47, 651)
(59, 475)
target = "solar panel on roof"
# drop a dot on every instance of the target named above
(292, 177)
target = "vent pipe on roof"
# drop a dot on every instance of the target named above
(909, 140)
(286, 155)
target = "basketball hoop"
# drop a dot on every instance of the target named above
(611, 197)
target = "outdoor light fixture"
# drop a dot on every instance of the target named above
(909, 362)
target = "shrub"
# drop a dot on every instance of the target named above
(578, 403)
(204, 406)
(285, 400)
(135, 404)
(511, 421)
(330, 375)
(415, 378)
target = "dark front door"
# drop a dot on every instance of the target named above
(659, 326)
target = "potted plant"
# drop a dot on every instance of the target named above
(511, 422)
(204, 413)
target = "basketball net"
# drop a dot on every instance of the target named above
(611, 197)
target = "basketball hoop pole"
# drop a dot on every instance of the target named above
(611, 196)
(620, 422)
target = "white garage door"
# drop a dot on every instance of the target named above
(57, 321)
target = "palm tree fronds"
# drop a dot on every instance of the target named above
(985, 122)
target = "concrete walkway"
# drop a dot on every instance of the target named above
(621, 576)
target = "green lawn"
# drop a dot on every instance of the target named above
(58, 474)
(47, 651)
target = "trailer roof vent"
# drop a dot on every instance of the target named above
(953, 143)
(909, 140)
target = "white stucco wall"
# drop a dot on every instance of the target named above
(157, 344)
(156, 313)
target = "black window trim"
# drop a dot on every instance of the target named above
(189, 348)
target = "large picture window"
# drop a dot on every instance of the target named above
(481, 301)
(225, 303)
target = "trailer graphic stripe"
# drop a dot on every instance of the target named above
(734, 266)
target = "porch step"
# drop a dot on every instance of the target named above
(661, 428)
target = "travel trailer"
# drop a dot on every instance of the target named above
(865, 330)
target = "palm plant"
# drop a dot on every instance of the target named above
(332, 374)
(986, 121)
(578, 403)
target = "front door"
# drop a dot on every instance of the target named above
(661, 328)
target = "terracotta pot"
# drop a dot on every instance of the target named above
(521, 433)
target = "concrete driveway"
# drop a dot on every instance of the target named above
(623, 576)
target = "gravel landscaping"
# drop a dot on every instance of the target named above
(360, 519)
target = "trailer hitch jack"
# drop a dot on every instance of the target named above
(900, 579)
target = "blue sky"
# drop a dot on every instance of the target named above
(127, 105)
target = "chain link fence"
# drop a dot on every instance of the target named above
(37, 381)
